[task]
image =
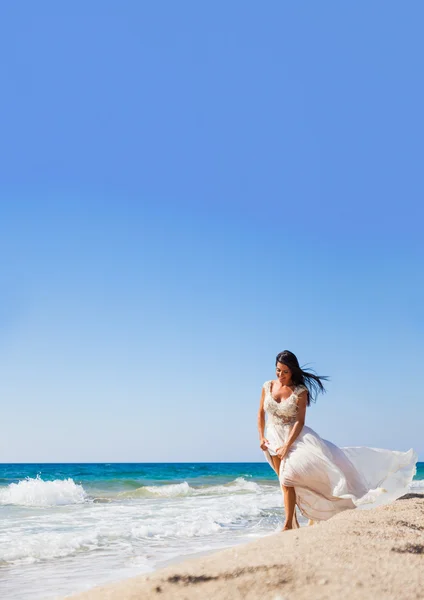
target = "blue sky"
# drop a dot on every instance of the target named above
(187, 189)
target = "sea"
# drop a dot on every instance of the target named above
(65, 528)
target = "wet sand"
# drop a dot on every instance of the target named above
(358, 554)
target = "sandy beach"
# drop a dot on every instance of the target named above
(376, 553)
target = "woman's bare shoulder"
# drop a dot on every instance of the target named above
(301, 389)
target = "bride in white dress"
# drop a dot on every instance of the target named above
(317, 476)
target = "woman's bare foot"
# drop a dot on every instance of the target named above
(287, 527)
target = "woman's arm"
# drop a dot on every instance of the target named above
(297, 427)
(261, 421)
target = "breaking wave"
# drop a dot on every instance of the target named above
(175, 490)
(37, 492)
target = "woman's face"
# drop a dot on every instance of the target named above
(283, 373)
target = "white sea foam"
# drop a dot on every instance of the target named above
(171, 521)
(36, 492)
(417, 484)
(43, 546)
(198, 526)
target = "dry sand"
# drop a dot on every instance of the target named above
(358, 554)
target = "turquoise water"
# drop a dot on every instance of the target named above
(118, 476)
(67, 527)
(110, 476)
(419, 477)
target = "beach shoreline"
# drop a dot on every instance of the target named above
(360, 553)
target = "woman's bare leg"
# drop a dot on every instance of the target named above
(276, 461)
(289, 506)
(290, 501)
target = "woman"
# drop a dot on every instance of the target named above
(319, 477)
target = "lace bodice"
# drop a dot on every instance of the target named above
(284, 412)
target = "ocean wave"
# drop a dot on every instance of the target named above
(113, 534)
(39, 493)
(122, 529)
(175, 490)
(172, 490)
(47, 546)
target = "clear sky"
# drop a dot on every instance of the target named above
(188, 188)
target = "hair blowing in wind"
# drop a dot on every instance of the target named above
(301, 376)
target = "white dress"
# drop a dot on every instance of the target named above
(328, 479)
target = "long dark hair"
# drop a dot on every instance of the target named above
(299, 376)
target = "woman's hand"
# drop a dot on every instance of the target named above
(282, 451)
(263, 443)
